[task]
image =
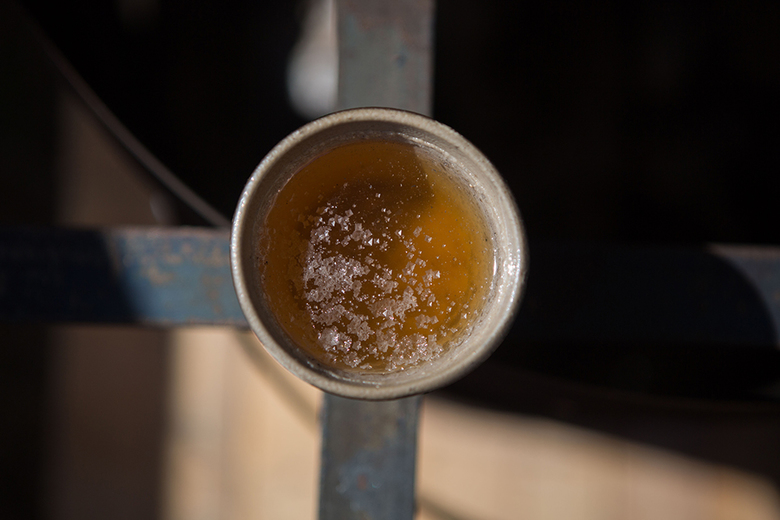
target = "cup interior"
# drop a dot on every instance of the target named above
(465, 164)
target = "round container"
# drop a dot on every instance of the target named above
(466, 164)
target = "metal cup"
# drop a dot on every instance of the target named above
(467, 165)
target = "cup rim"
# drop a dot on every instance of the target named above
(373, 388)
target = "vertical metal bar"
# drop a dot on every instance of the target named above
(369, 448)
(368, 459)
(386, 54)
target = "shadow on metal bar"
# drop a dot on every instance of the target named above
(673, 322)
(609, 293)
(578, 293)
(147, 276)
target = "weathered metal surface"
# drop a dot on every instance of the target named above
(124, 136)
(581, 293)
(368, 459)
(385, 54)
(151, 276)
(588, 293)
(369, 448)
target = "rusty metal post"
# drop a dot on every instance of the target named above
(369, 448)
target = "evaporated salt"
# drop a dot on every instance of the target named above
(364, 263)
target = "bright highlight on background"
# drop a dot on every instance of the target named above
(312, 73)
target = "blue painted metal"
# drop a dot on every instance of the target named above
(368, 459)
(612, 294)
(369, 448)
(149, 276)
(179, 276)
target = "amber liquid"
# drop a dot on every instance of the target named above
(374, 259)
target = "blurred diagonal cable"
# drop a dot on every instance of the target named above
(119, 131)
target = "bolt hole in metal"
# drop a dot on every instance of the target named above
(449, 352)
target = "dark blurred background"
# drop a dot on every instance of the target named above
(629, 121)
(632, 122)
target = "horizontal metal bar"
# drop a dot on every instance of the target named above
(386, 54)
(599, 293)
(576, 292)
(151, 276)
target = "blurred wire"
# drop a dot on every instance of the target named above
(120, 132)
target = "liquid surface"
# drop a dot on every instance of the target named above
(373, 259)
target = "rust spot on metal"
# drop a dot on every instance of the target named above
(156, 276)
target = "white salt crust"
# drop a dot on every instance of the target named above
(360, 324)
